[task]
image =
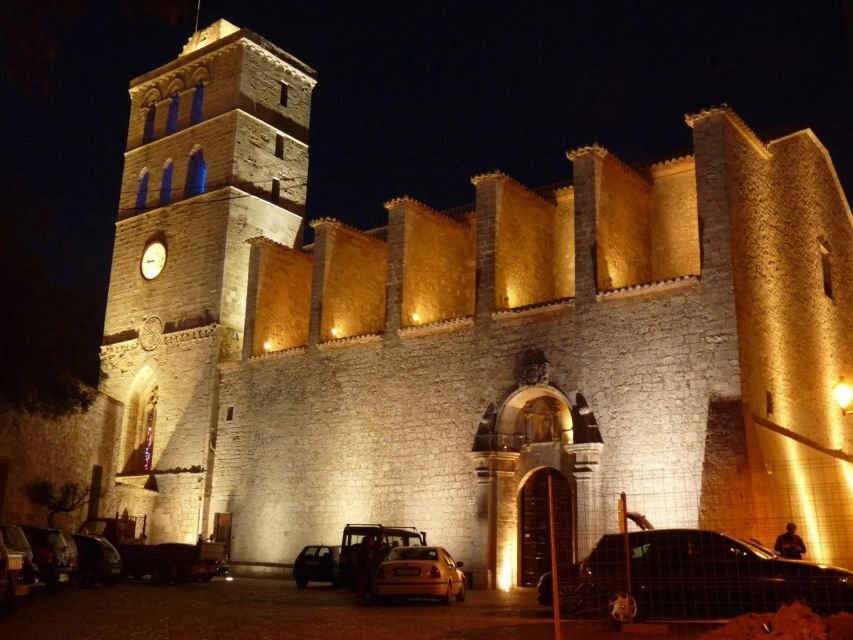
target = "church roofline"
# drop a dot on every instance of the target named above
(250, 37)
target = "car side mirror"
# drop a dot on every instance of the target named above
(459, 565)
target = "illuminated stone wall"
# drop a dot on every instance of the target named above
(623, 234)
(282, 298)
(438, 265)
(785, 203)
(564, 243)
(674, 220)
(354, 268)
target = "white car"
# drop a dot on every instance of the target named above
(420, 572)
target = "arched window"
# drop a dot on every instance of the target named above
(166, 183)
(139, 431)
(142, 191)
(196, 174)
(172, 120)
(198, 102)
(148, 131)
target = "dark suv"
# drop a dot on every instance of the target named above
(317, 563)
(51, 555)
(355, 534)
(694, 574)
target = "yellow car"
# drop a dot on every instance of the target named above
(420, 572)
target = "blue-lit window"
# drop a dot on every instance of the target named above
(172, 120)
(142, 191)
(198, 103)
(166, 183)
(148, 131)
(196, 174)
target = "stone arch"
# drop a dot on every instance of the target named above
(174, 87)
(152, 96)
(199, 74)
(137, 447)
(535, 415)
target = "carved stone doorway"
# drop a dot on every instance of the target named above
(534, 526)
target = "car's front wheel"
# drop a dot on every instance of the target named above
(622, 607)
(301, 583)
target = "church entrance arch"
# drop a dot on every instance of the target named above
(534, 525)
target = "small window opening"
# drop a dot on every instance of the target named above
(275, 192)
(229, 414)
(283, 97)
(172, 120)
(768, 401)
(166, 184)
(198, 103)
(148, 131)
(279, 147)
(142, 191)
(827, 270)
(196, 174)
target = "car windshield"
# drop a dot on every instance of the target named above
(756, 547)
(412, 553)
(15, 539)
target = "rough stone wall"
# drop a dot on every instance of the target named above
(524, 261)
(354, 284)
(786, 203)
(438, 270)
(674, 221)
(62, 450)
(283, 299)
(564, 244)
(622, 231)
(184, 366)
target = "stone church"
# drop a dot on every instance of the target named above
(674, 332)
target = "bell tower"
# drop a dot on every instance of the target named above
(217, 153)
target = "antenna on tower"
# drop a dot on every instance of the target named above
(197, 11)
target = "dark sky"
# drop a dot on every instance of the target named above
(412, 98)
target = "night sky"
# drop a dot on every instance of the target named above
(412, 98)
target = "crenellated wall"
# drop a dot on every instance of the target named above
(354, 272)
(282, 297)
(438, 264)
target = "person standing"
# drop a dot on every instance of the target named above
(789, 544)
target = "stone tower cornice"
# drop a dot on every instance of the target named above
(736, 120)
(423, 209)
(500, 176)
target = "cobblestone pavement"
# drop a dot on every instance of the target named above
(273, 609)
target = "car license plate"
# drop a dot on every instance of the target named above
(16, 563)
(407, 571)
(63, 577)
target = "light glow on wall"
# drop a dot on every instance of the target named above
(416, 317)
(843, 395)
(334, 331)
(267, 345)
(505, 566)
(803, 485)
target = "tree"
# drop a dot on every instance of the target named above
(68, 498)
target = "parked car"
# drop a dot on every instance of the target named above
(355, 534)
(694, 574)
(98, 560)
(18, 575)
(50, 554)
(317, 563)
(420, 572)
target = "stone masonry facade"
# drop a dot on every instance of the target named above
(673, 332)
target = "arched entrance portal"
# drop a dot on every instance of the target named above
(534, 527)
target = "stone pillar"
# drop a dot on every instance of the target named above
(318, 277)
(396, 241)
(587, 178)
(483, 561)
(584, 466)
(256, 246)
(489, 188)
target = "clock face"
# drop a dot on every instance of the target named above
(153, 260)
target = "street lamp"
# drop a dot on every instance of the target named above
(843, 396)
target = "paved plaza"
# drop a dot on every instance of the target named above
(255, 609)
